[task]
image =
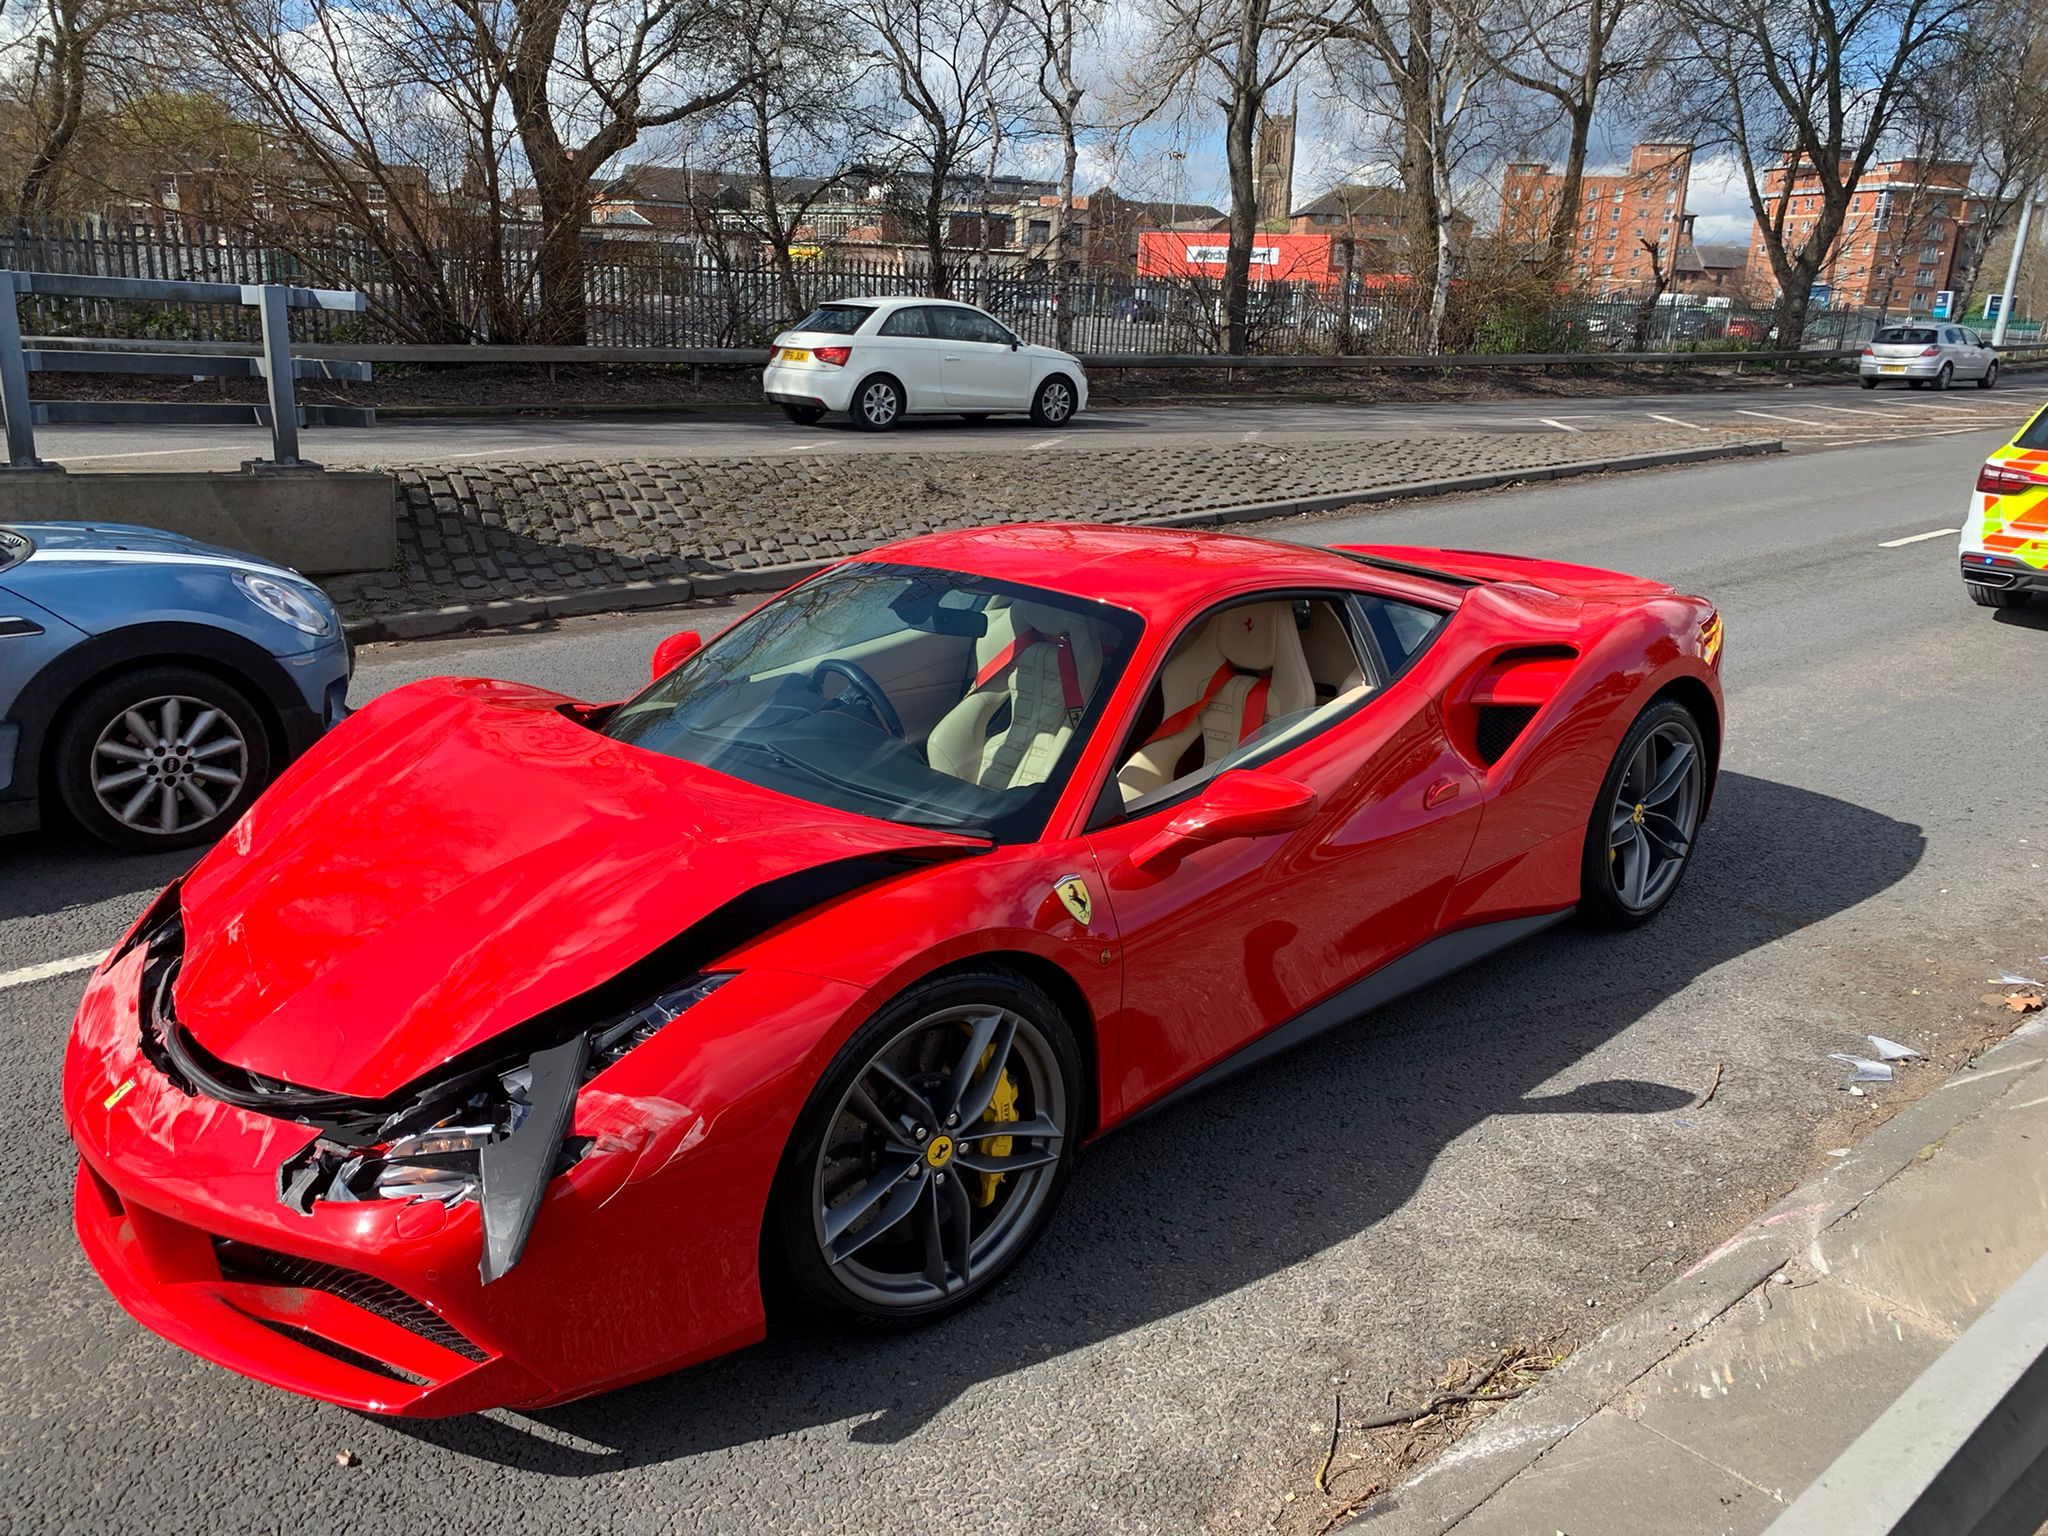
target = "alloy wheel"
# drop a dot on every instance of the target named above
(1056, 401)
(879, 403)
(1655, 816)
(169, 764)
(939, 1157)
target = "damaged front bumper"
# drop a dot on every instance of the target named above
(642, 1256)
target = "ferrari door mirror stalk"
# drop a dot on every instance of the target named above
(673, 652)
(1241, 803)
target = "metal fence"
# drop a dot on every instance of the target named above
(684, 294)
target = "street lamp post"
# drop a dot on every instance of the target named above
(2012, 269)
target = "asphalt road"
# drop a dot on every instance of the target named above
(1823, 413)
(1474, 1167)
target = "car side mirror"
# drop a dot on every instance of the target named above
(1016, 345)
(1240, 803)
(673, 652)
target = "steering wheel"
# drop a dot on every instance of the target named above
(865, 688)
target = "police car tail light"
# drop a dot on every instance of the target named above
(1997, 479)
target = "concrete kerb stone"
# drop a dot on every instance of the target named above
(636, 596)
(1441, 1494)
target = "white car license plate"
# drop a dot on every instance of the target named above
(796, 354)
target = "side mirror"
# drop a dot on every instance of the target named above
(1241, 803)
(673, 652)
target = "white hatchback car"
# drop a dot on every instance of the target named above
(880, 360)
(1935, 352)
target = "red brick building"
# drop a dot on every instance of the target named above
(1898, 245)
(1617, 213)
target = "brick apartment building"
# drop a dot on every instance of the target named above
(1898, 245)
(1617, 213)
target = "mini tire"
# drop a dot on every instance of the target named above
(877, 404)
(868, 1221)
(1054, 402)
(1995, 597)
(1646, 819)
(1990, 378)
(160, 758)
(804, 415)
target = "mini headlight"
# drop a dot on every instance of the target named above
(287, 603)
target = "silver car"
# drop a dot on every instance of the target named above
(1936, 352)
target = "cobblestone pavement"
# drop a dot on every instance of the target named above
(478, 533)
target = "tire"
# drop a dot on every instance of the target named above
(1946, 377)
(1053, 404)
(877, 404)
(1614, 890)
(1868, 383)
(886, 1278)
(804, 415)
(1990, 379)
(1914, 383)
(1995, 597)
(225, 763)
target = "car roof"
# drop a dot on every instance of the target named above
(1154, 571)
(862, 301)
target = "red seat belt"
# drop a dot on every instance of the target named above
(1254, 709)
(1070, 675)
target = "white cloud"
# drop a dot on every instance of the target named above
(1716, 193)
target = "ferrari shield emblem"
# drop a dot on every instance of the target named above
(1073, 894)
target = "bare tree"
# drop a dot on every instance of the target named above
(2001, 69)
(1803, 94)
(1571, 52)
(1057, 27)
(946, 89)
(1243, 50)
(74, 59)
(1660, 280)
(1424, 66)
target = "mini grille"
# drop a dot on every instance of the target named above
(239, 1261)
(1499, 725)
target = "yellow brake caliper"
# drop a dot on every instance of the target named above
(1001, 1110)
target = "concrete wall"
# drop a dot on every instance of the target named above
(321, 522)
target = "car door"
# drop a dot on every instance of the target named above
(1232, 939)
(982, 365)
(906, 345)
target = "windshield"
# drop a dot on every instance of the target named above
(835, 319)
(1908, 335)
(14, 548)
(917, 696)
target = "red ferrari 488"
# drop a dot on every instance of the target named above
(510, 1043)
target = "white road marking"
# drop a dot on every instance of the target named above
(1852, 410)
(1551, 421)
(1920, 538)
(32, 973)
(1929, 405)
(1050, 442)
(1676, 422)
(146, 453)
(1804, 421)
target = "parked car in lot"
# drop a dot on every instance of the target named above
(513, 1042)
(2004, 546)
(880, 360)
(1934, 352)
(150, 685)
(1137, 309)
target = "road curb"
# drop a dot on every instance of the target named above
(676, 591)
(1482, 1463)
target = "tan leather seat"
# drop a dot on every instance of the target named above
(1245, 668)
(1046, 680)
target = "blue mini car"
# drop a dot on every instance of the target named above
(152, 685)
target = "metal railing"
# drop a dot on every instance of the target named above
(274, 363)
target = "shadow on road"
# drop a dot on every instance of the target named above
(43, 873)
(1236, 1184)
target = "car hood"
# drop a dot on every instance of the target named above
(1051, 355)
(458, 857)
(56, 542)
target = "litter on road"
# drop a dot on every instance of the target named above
(1891, 1050)
(1867, 1071)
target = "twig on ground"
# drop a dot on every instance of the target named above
(1350, 1508)
(1336, 1429)
(1712, 1088)
(1443, 1400)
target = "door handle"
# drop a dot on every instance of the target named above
(951, 357)
(1439, 792)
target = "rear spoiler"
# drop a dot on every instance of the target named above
(1479, 568)
(1364, 555)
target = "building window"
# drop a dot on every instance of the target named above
(1041, 231)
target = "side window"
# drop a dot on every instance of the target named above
(975, 326)
(1400, 629)
(907, 322)
(1243, 682)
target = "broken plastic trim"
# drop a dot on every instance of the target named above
(516, 1171)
